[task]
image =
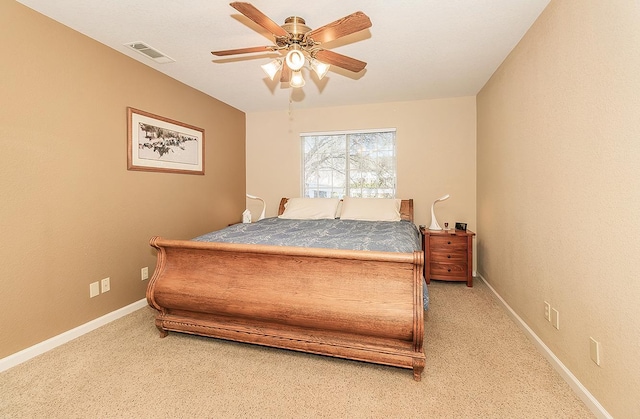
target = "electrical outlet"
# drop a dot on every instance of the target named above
(144, 273)
(94, 289)
(106, 284)
(594, 350)
(555, 318)
(547, 311)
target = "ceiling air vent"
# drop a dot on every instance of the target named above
(150, 52)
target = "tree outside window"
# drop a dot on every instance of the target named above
(355, 164)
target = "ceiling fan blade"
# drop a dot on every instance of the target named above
(242, 51)
(339, 60)
(258, 17)
(285, 74)
(353, 23)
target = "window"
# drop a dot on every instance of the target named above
(358, 164)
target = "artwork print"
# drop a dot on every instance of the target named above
(160, 144)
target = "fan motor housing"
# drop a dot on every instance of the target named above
(296, 27)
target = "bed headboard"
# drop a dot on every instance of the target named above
(406, 208)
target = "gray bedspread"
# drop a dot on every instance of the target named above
(386, 236)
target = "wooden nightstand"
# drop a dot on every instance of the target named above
(448, 255)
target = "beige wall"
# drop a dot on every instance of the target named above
(70, 212)
(559, 189)
(435, 152)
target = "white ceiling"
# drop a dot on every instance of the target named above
(416, 49)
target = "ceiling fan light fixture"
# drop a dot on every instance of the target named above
(319, 68)
(296, 79)
(295, 59)
(299, 45)
(272, 68)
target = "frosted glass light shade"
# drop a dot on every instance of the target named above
(320, 68)
(272, 68)
(296, 79)
(295, 59)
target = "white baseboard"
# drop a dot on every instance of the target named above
(580, 390)
(42, 347)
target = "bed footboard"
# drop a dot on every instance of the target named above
(359, 305)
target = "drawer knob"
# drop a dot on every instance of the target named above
(449, 270)
(448, 256)
(448, 242)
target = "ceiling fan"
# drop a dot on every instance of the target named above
(303, 45)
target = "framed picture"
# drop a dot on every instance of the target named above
(160, 144)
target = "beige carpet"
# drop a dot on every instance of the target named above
(479, 365)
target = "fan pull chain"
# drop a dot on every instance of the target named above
(290, 104)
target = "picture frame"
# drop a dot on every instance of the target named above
(461, 226)
(159, 144)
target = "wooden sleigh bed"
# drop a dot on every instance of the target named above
(354, 304)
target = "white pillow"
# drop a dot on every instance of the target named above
(370, 209)
(310, 208)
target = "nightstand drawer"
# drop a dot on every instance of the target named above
(448, 244)
(449, 271)
(442, 255)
